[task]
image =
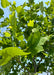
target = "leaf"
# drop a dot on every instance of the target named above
(39, 48)
(31, 1)
(4, 3)
(20, 38)
(1, 41)
(24, 4)
(35, 42)
(19, 9)
(1, 12)
(14, 2)
(45, 54)
(47, 3)
(43, 40)
(41, 6)
(36, 73)
(7, 34)
(9, 53)
(31, 23)
(52, 3)
(35, 29)
(11, 16)
(10, 27)
(13, 22)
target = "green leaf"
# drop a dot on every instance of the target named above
(7, 34)
(35, 29)
(45, 54)
(43, 40)
(9, 53)
(20, 38)
(31, 1)
(1, 41)
(36, 73)
(39, 48)
(31, 23)
(1, 12)
(11, 16)
(4, 3)
(14, 2)
(47, 3)
(35, 42)
(10, 27)
(33, 39)
(13, 22)
(41, 6)
(24, 4)
(20, 10)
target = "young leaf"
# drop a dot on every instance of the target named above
(31, 23)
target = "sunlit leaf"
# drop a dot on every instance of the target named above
(10, 27)
(5, 3)
(47, 3)
(31, 23)
(14, 2)
(19, 9)
(9, 53)
(45, 54)
(7, 34)
(43, 40)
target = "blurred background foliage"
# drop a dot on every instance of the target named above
(31, 28)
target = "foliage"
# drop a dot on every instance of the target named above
(9, 53)
(28, 40)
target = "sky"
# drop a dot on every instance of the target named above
(20, 2)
